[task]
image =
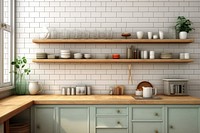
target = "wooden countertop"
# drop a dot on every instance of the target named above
(12, 105)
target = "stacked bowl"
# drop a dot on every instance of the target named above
(41, 55)
(78, 56)
(65, 54)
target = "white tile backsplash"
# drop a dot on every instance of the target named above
(118, 16)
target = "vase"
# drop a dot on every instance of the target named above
(21, 84)
(183, 35)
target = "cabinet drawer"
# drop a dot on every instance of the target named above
(111, 111)
(112, 122)
(147, 113)
(143, 127)
(112, 131)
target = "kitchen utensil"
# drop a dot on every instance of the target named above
(130, 79)
(34, 87)
(148, 92)
(175, 86)
(143, 84)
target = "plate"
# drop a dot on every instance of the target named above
(144, 84)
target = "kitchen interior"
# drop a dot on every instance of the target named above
(100, 66)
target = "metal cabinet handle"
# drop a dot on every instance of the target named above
(171, 127)
(118, 122)
(118, 111)
(38, 127)
(156, 114)
(156, 131)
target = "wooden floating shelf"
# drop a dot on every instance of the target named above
(47, 41)
(111, 61)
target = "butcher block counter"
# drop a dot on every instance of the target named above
(13, 105)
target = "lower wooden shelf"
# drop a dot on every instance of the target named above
(111, 61)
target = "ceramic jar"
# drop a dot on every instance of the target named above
(34, 87)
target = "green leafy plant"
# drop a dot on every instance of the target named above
(183, 24)
(19, 64)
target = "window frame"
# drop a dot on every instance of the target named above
(10, 28)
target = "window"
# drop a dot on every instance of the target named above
(6, 41)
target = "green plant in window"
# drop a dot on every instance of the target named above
(20, 71)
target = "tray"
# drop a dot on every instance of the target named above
(142, 98)
(144, 84)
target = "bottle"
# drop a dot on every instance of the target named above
(135, 54)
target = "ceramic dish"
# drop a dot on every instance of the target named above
(143, 84)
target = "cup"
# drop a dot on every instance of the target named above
(152, 55)
(150, 35)
(140, 34)
(161, 34)
(148, 92)
(138, 93)
(187, 56)
(182, 56)
(145, 54)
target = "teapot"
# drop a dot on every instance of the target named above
(148, 92)
(34, 87)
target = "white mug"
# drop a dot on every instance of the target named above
(140, 34)
(148, 92)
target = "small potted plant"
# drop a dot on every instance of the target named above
(20, 71)
(183, 27)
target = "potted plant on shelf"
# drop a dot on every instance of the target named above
(183, 27)
(20, 71)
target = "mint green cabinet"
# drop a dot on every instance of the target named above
(111, 119)
(73, 119)
(1, 128)
(44, 119)
(147, 119)
(183, 119)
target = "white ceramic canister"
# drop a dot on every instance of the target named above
(150, 35)
(152, 55)
(34, 87)
(145, 54)
(161, 34)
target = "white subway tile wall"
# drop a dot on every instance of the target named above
(115, 15)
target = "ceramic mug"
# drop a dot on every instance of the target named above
(140, 34)
(148, 92)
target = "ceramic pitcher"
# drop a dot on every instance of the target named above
(34, 87)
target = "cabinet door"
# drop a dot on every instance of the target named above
(183, 120)
(1, 128)
(44, 119)
(73, 120)
(147, 127)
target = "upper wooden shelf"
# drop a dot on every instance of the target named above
(47, 41)
(111, 61)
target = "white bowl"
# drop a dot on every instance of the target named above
(138, 93)
(87, 56)
(65, 51)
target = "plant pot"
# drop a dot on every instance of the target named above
(183, 35)
(21, 85)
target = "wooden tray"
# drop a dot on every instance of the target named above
(143, 84)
